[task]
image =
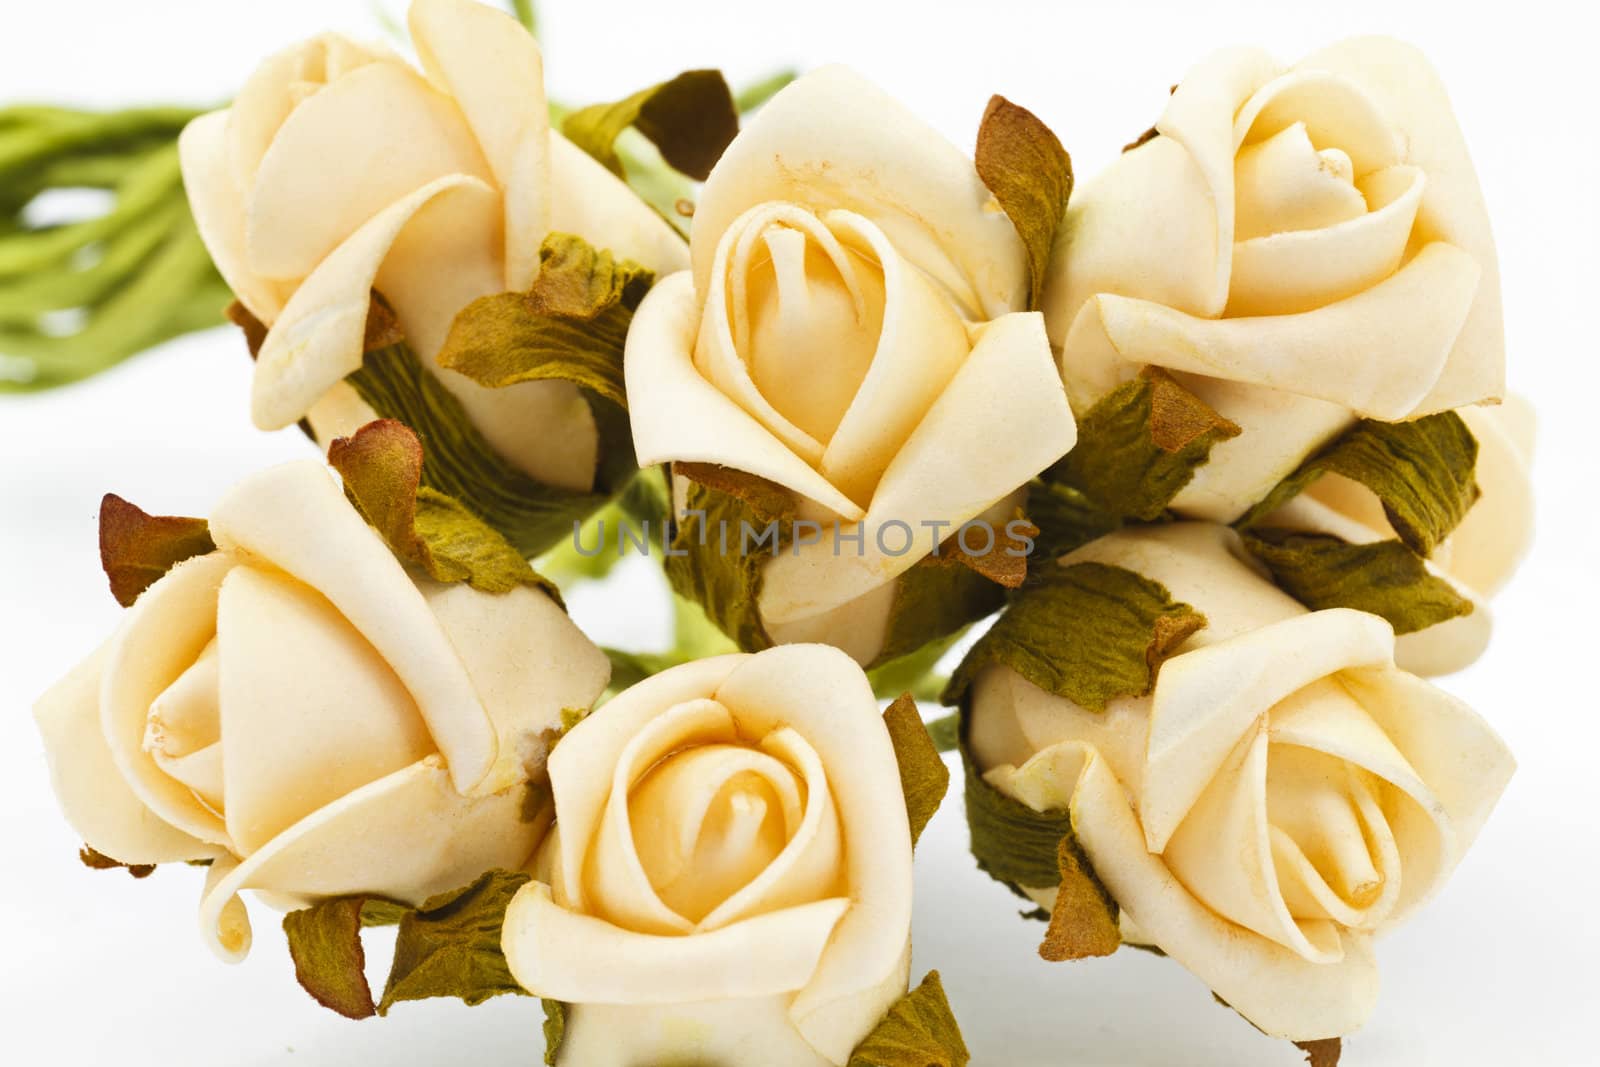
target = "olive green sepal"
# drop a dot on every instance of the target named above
(449, 947)
(920, 1030)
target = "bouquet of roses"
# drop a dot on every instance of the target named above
(1218, 445)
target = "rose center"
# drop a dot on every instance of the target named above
(1286, 183)
(807, 321)
(707, 820)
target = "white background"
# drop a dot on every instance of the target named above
(97, 968)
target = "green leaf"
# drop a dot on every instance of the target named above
(450, 947)
(570, 326)
(1084, 918)
(329, 961)
(914, 671)
(461, 464)
(1066, 519)
(382, 467)
(523, 11)
(1088, 632)
(99, 861)
(1026, 849)
(555, 1029)
(1013, 844)
(920, 1030)
(691, 119)
(137, 549)
(1382, 577)
(716, 558)
(923, 776)
(1422, 471)
(1139, 445)
(761, 90)
(934, 600)
(1030, 174)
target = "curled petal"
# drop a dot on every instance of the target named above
(953, 468)
(558, 954)
(1402, 81)
(109, 816)
(318, 339)
(491, 66)
(678, 415)
(407, 836)
(295, 518)
(834, 140)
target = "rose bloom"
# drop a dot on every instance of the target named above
(340, 169)
(1477, 558)
(853, 330)
(1302, 246)
(1281, 797)
(298, 710)
(729, 877)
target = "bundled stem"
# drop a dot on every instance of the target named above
(81, 295)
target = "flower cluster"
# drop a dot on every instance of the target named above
(1216, 440)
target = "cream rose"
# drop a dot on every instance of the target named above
(852, 330)
(340, 169)
(1303, 246)
(298, 710)
(1479, 556)
(729, 877)
(1283, 795)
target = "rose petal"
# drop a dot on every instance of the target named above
(1336, 111)
(1376, 353)
(833, 140)
(822, 695)
(1463, 761)
(1285, 185)
(164, 632)
(345, 154)
(527, 660)
(919, 349)
(218, 211)
(99, 804)
(1222, 852)
(1200, 117)
(617, 886)
(1207, 699)
(295, 518)
(280, 84)
(1490, 542)
(310, 711)
(581, 766)
(1348, 731)
(1404, 84)
(590, 201)
(678, 415)
(491, 67)
(1278, 431)
(709, 820)
(562, 955)
(1146, 226)
(953, 468)
(406, 837)
(809, 865)
(1285, 273)
(1277, 990)
(318, 339)
(730, 1030)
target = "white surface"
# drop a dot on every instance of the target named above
(96, 967)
